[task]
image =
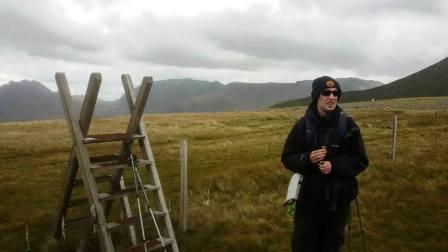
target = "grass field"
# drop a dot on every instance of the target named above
(236, 180)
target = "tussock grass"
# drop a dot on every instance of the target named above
(236, 181)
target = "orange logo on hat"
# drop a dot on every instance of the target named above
(330, 83)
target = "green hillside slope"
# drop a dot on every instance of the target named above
(431, 81)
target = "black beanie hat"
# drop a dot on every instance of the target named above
(322, 83)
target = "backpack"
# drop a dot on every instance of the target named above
(342, 128)
(292, 194)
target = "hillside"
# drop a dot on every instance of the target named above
(431, 81)
(30, 100)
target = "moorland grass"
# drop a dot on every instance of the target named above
(236, 180)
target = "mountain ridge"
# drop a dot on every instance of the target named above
(30, 100)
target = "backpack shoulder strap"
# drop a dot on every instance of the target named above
(344, 130)
(309, 131)
(342, 124)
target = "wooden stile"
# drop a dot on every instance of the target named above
(99, 203)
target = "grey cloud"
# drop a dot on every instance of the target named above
(369, 38)
(360, 8)
(184, 57)
(178, 42)
(416, 6)
(368, 45)
(290, 49)
(264, 41)
(87, 4)
(266, 37)
(27, 34)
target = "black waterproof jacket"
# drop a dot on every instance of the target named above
(346, 154)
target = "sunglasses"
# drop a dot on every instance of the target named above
(329, 92)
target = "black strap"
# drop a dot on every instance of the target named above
(310, 129)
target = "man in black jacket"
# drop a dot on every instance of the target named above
(326, 147)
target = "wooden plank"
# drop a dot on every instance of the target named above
(110, 137)
(127, 212)
(123, 192)
(78, 221)
(153, 174)
(84, 162)
(72, 167)
(139, 107)
(116, 166)
(89, 103)
(135, 220)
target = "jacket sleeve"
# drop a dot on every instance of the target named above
(295, 157)
(355, 159)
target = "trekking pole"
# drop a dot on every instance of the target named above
(140, 182)
(349, 229)
(360, 226)
(131, 160)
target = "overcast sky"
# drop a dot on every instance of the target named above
(231, 40)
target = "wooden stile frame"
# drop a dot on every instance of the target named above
(79, 160)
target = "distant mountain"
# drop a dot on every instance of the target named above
(247, 96)
(173, 95)
(431, 81)
(30, 100)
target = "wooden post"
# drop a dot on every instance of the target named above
(183, 185)
(437, 129)
(394, 132)
(27, 239)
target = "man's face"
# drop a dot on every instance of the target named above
(327, 100)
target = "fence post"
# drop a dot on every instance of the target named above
(437, 128)
(183, 186)
(27, 239)
(394, 132)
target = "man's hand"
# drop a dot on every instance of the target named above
(325, 167)
(318, 155)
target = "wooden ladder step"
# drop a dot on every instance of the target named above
(104, 178)
(110, 137)
(104, 158)
(151, 245)
(118, 164)
(78, 221)
(135, 220)
(123, 192)
(113, 162)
